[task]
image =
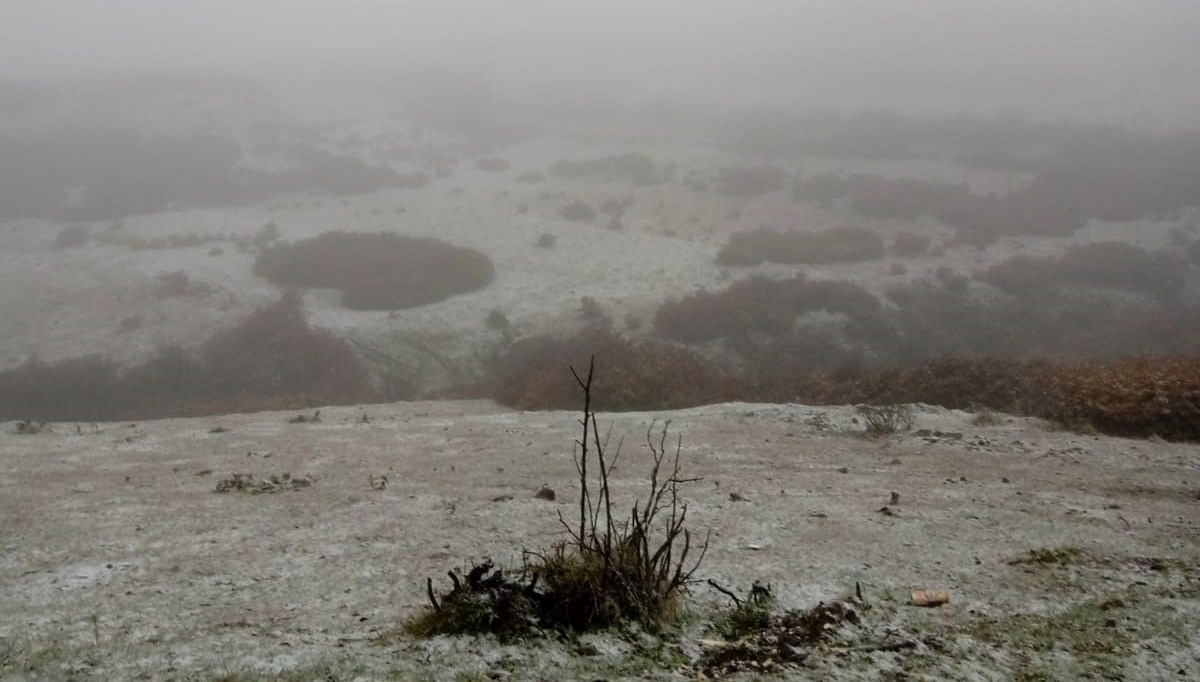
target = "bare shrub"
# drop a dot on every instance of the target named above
(378, 271)
(610, 571)
(882, 420)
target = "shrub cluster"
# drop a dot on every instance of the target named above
(1136, 397)
(610, 571)
(760, 305)
(639, 375)
(273, 359)
(750, 181)
(1114, 265)
(378, 271)
(878, 196)
(846, 244)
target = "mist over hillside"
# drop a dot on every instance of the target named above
(293, 294)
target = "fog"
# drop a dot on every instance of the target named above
(213, 205)
(1110, 60)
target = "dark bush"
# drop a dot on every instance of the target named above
(496, 319)
(750, 181)
(72, 236)
(378, 271)
(637, 168)
(910, 245)
(577, 211)
(759, 304)
(273, 359)
(77, 389)
(274, 353)
(845, 244)
(179, 283)
(1115, 265)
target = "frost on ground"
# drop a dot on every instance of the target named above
(1065, 556)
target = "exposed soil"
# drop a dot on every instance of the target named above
(1066, 556)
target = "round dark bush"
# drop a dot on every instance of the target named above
(378, 271)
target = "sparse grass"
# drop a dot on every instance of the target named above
(1049, 555)
(760, 639)
(275, 483)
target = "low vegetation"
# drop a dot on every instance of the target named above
(638, 169)
(610, 570)
(378, 271)
(275, 483)
(882, 420)
(272, 359)
(640, 375)
(845, 244)
(1114, 265)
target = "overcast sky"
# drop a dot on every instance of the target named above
(919, 47)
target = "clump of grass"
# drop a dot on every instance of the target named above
(28, 427)
(608, 572)
(986, 417)
(1048, 555)
(483, 599)
(761, 639)
(747, 615)
(882, 420)
(276, 483)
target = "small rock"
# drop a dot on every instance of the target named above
(843, 470)
(737, 497)
(545, 494)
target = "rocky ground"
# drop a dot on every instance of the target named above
(1065, 556)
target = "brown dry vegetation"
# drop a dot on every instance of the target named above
(378, 271)
(639, 375)
(272, 359)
